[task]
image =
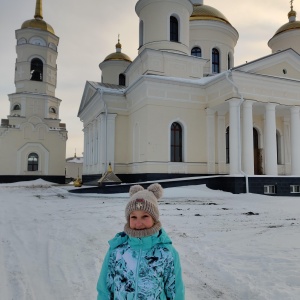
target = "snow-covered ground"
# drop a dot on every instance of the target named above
(52, 243)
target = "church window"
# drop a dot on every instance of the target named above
(227, 146)
(17, 107)
(176, 142)
(215, 61)
(196, 51)
(174, 29)
(228, 61)
(52, 110)
(36, 70)
(122, 79)
(37, 41)
(141, 34)
(33, 162)
(22, 41)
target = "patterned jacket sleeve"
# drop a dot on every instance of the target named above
(174, 287)
(102, 288)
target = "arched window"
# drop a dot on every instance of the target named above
(228, 61)
(174, 33)
(227, 146)
(52, 110)
(122, 79)
(36, 70)
(176, 142)
(33, 162)
(215, 61)
(17, 107)
(196, 51)
(22, 41)
(141, 34)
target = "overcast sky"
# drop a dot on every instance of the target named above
(88, 31)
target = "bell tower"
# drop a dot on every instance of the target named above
(36, 69)
(32, 138)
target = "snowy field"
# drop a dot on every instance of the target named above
(52, 243)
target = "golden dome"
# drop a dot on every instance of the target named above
(118, 56)
(288, 26)
(38, 22)
(291, 25)
(205, 12)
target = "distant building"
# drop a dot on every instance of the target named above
(74, 168)
(32, 138)
(182, 108)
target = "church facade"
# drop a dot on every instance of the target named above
(32, 138)
(181, 108)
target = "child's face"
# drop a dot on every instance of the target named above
(140, 219)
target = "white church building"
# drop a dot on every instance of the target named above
(32, 137)
(181, 108)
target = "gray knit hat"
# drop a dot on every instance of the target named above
(146, 200)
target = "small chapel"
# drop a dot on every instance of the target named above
(32, 137)
(181, 108)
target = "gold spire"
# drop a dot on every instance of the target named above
(293, 24)
(118, 55)
(38, 22)
(292, 13)
(118, 46)
(38, 9)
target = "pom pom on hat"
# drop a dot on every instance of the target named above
(156, 189)
(134, 189)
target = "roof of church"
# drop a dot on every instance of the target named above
(292, 24)
(107, 85)
(118, 55)
(205, 12)
(38, 22)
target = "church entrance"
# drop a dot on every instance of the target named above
(257, 154)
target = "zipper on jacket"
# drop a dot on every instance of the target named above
(137, 272)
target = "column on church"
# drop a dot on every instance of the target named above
(287, 144)
(247, 138)
(92, 144)
(90, 147)
(103, 149)
(98, 144)
(85, 167)
(95, 140)
(234, 138)
(210, 125)
(221, 143)
(295, 141)
(270, 140)
(111, 124)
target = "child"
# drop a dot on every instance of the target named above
(141, 262)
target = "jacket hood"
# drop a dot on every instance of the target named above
(160, 237)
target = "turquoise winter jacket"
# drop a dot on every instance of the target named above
(145, 268)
